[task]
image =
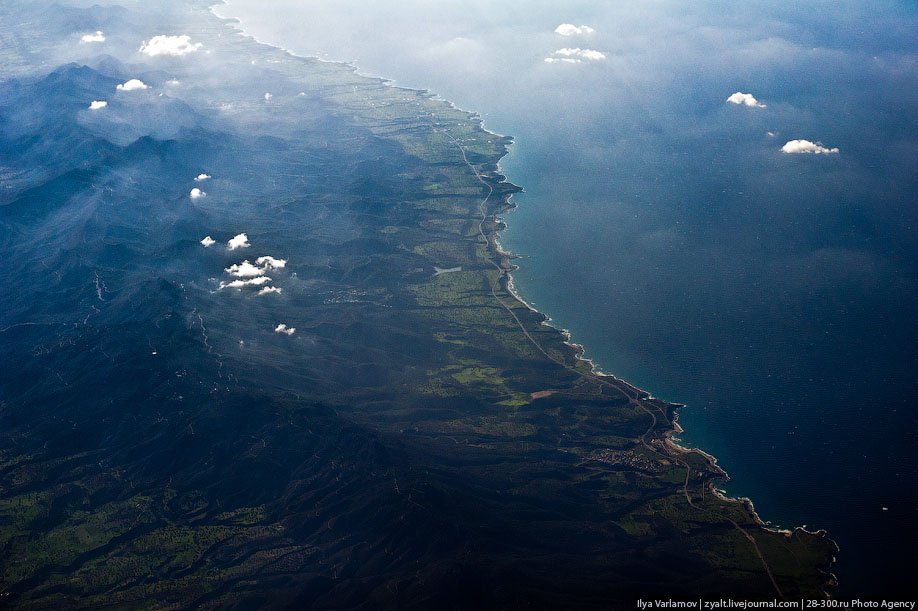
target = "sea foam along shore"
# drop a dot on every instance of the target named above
(506, 259)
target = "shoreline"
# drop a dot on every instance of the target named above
(722, 476)
(505, 258)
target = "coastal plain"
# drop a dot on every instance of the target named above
(422, 439)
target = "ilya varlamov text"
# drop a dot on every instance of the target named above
(717, 604)
(775, 604)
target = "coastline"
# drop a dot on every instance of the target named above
(505, 258)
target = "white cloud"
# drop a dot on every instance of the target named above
(201, 177)
(745, 99)
(169, 45)
(805, 146)
(268, 97)
(97, 104)
(239, 284)
(584, 53)
(197, 193)
(240, 241)
(270, 289)
(97, 36)
(174, 82)
(245, 270)
(575, 55)
(132, 85)
(208, 241)
(262, 266)
(569, 29)
(271, 262)
(282, 328)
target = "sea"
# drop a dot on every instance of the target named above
(752, 256)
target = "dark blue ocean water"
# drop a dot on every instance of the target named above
(774, 294)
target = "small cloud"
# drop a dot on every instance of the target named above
(270, 289)
(197, 193)
(208, 241)
(97, 36)
(271, 262)
(169, 45)
(569, 29)
(132, 85)
(174, 82)
(805, 146)
(245, 269)
(282, 328)
(240, 241)
(98, 104)
(262, 266)
(576, 54)
(566, 60)
(744, 99)
(201, 177)
(268, 97)
(239, 284)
